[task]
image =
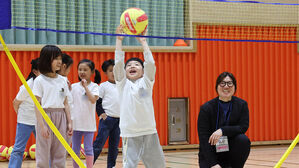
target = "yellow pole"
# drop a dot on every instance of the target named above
(286, 154)
(45, 116)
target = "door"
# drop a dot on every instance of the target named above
(178, 120)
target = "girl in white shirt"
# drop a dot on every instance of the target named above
(24, 107)
(65, 69)
(85, 95)
(51, 91)
(67, 63)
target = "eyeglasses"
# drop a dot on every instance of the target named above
(229, 84)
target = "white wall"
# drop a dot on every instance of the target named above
(244, 13)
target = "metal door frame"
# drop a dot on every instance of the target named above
(186, 99)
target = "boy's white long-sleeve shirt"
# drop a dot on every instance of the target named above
(137, 116)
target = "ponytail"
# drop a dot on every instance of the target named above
(34, 66)
(97, 77)
(31, 75)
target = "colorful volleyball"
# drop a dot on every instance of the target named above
(134, 21)
(8, 152)
(25, 154)
(3, 151)
(82, 152)
(32, 151)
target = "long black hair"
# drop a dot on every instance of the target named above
(34, 66)
(67, 60)
(97, 77)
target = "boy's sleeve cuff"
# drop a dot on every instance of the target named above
(148, 56)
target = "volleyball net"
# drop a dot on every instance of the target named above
(93, 22)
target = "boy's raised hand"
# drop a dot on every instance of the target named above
(142, 40)
(119, 30)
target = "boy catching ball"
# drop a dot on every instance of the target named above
(134, 81)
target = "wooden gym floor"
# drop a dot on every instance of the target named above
(260, 157)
